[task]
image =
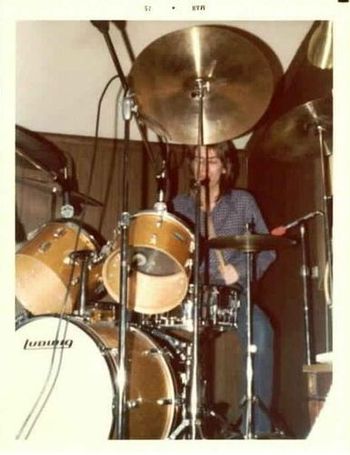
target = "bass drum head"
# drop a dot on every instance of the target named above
(66, 393)
(68, 389)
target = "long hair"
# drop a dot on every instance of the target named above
(227, 153)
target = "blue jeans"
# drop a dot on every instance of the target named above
(262, 338)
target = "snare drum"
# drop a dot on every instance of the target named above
(218, 310)
(81, 372)
(160, 266)
(45, 273)
(221, 305)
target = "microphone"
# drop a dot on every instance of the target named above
(281, 230)
(67, 209)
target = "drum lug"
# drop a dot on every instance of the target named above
(189, 264)
(67, 260)
(132, 404)
(45, 246)
(106, 351)
(153, 239)
(167, 401)
(192, 246)
(59, 232)
(75, 281)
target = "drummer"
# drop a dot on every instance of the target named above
(228, 212)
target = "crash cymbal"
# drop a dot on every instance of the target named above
(250, 242)
(294, 135)
(49, 187)
(320, 49)
(238, 84)
(36, 152)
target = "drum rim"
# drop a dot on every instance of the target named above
(72, 223)
(106, 282)
(81, 324)
(235, 287)
(165, 214)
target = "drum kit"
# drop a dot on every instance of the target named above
(129, 368)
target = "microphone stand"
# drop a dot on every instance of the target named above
(129, 108)
(305, 274)
(103, 27)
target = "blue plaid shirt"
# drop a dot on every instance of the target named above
(230, 216)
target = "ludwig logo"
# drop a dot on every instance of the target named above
(47, 344)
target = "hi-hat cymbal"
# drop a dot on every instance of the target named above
(49, 187)
(237, 78)
(295, 134)
(250, 242)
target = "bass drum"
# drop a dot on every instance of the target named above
(67, 371)
(47, 280)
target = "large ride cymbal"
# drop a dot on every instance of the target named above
(238, 84)
(295, 134)
(250, 243)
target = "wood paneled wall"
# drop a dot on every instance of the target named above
(34, 206)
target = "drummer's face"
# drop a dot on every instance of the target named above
(215, 166)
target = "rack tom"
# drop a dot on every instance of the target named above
(47, 280)
(161, 249)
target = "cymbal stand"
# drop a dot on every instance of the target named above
(192, 421)
(250, 399)
(328, 238)
(251, 349)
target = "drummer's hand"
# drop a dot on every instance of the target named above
(229, 274)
